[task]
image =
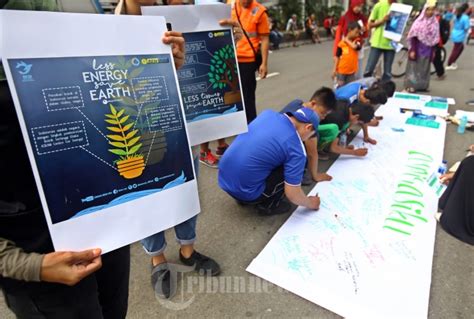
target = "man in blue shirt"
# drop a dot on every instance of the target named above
(267, 162)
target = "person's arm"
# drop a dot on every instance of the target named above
(367, 139)
(176, 40)
(446, 178)
(263, 31)
(352, 44)
(338, 149)
(313, 157)
(16, 264)
(374, 21)
(265, 44)
(236, 29)
(336, 63)
(59, 267)
(413, 48)
(378, 23)
(296, 195)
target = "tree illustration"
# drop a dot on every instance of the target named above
(223, 69)
(125, 142)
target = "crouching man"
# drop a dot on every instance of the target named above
(266, 164)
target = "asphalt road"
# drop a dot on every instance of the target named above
(234, 235)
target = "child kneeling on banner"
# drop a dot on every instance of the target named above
(332, 131)
(323, 102)
(261, 175)
(377, 94)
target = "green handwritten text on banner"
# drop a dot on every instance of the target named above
(408, 207)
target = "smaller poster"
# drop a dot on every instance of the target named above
(398, 18)
(209, 80)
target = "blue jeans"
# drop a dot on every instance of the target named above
(374, 56)
(155, 245)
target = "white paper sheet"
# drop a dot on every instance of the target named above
(77, 90)
(212, 112)
(368, 251)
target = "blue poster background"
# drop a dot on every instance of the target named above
(396, 22)
(75, 107)
(208, 80)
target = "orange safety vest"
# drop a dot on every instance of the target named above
(254, 21)
(349, 60)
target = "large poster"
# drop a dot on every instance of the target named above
(209, 80)
(368, 251)
(105, 132)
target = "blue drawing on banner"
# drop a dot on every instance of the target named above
(300, 265)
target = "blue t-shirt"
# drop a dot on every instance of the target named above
(460, 29)
(271, 142)
(349, 92)
(448, 16)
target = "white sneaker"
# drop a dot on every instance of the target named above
(438, 216)
(453, 66)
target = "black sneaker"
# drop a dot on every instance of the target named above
(201, 263)
(161, 281)
(281, 208)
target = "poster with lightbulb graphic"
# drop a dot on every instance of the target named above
(106, 134)
(209, 79)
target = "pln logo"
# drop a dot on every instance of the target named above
(24, 69)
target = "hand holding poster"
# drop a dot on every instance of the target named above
(209, 80)
(103, 124)
(398, 18)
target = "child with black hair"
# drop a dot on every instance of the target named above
(375, 95)
(346, 60)
(334, 127)
(322, 102)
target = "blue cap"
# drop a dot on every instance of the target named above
(306, 115)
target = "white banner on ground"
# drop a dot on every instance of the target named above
(209, 80)
(367, 253)
(103, 124)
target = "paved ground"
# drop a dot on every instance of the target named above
(234, 235)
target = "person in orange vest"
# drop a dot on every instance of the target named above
(252, 50)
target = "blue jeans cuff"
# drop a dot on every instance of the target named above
(186, 241)
(156, 252)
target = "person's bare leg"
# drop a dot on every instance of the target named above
(205, 147)
(221, 142)
(156, 260)
(187, 250)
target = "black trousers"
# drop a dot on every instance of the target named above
(457, 203)
(438, 64)
(249, 85)
(102, 295)
(274, 190)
